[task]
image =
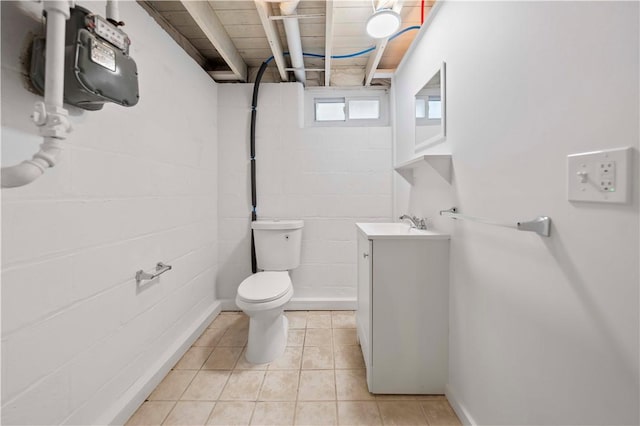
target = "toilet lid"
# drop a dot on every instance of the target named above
(264, 286)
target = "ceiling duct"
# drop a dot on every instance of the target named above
(294, 42)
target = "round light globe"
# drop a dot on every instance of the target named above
(383, 23)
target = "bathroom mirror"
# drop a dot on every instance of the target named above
(430, 111)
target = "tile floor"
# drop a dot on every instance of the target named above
(320, 380)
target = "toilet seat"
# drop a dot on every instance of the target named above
(264, 287)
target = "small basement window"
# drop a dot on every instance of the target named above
(435, 108)
(428, 108)
(364, 109)
(348, 110)
(330, 109)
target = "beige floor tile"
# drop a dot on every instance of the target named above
(243, 322)
(401, 413)
(189, 413)
(358, 413)
(348, 357)
(297, 319)
(317, 385)
(317, 358)
(273, 413)
(290, 360)
(151, 413)
(234, 337)
(210, 337)
(226, 320)
(295, 337)
(393, 397)
(305, 371)
(193, 358)
(319, 320)
(316, 413)
(280, 385)
(173, 385)
(223, 358)
(243, 364)
(243, 386)
(351, 385)
(206, 386)
(344, 336)
(318, 337)
(231, 413)
(431, 397)
(343, 319)
(440, 413)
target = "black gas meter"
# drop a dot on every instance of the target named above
(97, 64)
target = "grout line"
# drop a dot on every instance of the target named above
(164, 419)
(61, 254)
(424, 414)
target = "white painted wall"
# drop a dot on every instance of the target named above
(542, 331)
(331, 177)
(135, 186)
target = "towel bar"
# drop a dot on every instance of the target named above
(161, 268)
(541, 225)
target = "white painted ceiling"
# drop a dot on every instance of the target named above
(224, 36)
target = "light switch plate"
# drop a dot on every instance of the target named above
(599, 176)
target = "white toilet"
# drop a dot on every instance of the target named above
(262, 296)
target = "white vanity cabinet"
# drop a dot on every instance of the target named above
(403, 308)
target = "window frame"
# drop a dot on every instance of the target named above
(326, 95)
(426, 121)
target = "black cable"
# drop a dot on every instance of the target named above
(254, 202)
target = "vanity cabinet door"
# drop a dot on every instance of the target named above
(363, 314)
(409, 302)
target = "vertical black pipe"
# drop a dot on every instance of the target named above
(254, 198)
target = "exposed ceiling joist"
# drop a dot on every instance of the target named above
(328, 42)
(273, 37)
(223, 75)
(306, 16)
(384, 73)
(374, 59)
(208, 21)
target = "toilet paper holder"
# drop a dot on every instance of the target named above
(161, 268)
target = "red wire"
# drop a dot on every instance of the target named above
(422, 13)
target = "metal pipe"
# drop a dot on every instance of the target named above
(113, 10)
(294, 41)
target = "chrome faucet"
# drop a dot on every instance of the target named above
(416, 222)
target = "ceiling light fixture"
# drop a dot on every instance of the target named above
(383, 23)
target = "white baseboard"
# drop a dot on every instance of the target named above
(462, 413)
(142, 388)
(306, 304)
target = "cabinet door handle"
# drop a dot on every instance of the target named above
(365, 255)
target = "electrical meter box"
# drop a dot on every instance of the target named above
(98, 67)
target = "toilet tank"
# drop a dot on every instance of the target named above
(278, 243)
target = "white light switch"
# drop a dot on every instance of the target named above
(600, 176)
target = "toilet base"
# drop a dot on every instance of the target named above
(267, 336)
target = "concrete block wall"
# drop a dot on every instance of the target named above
(332, 177)
(135, 186)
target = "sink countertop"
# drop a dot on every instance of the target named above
(398, 230)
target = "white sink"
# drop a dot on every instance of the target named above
(397, 230)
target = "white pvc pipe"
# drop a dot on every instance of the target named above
(50, 116)
(292, 30)
(54, 69)
(113, 10)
